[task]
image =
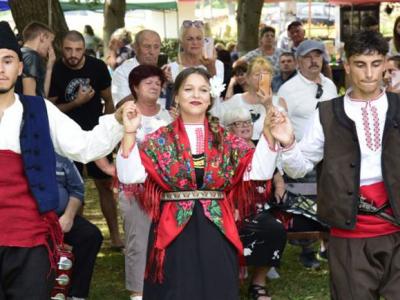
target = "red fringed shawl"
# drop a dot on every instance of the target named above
(167, 159)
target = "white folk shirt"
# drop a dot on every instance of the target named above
(299, 94)
(131, 170)
(68, 138)
(369, 118)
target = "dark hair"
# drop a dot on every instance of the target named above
(368, 21)
(212, 121)
(396, 35)
(33, 29)
(239, 68)
(294, 24)
(89, 30)
(224, 56)
(365, 42)
(142, 72)
(266, 29)
(74, 36)
(396, 60)
(287, 54)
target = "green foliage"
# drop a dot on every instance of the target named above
(170, 47)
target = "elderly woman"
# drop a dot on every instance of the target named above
(262, 235)
(191, 43)
(191, 169)
(145, 82)
(254, 100)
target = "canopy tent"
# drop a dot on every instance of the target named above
(357, 2)
(130, 5)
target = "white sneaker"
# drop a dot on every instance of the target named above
(273, 273)
(136, 297)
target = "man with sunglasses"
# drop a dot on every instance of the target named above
(302, 94)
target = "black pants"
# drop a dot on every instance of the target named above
(365, 268)
(86, 239)
(25, 273)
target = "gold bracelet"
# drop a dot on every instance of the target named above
(130, 131)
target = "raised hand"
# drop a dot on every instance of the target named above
(131, 117)
(280, 127)
(265, 98)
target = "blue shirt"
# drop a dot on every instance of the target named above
(69, 182)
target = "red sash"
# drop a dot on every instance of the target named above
(20, 222)
(368, 226)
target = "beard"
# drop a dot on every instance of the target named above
(73, 61)
(5, 90)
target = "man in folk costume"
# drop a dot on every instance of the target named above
(355, 139)
(31, 129)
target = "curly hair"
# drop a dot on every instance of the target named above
(366, 42)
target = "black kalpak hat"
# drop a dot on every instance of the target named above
(8, 39)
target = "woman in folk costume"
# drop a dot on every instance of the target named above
(191, 171)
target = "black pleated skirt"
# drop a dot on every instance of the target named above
(201, 264)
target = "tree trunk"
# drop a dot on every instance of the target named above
(27, 11)
(114, 18)
(248, 21)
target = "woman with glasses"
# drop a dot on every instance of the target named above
(254, 99)
(189, 172)
(192, 54)
(262, 235)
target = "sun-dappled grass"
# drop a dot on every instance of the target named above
(296, 283)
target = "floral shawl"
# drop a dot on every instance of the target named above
(166, 156)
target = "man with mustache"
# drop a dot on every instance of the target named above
(302, 94)
(79, 84)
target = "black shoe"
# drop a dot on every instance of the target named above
(309, 260)
(323, 255)
(256, 291)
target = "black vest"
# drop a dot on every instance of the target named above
(339, 172)
(38, 153)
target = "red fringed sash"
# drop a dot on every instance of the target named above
(167, 159)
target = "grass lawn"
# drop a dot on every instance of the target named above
(296, 283)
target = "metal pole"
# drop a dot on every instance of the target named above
(309, 18)
(49, 12)
(165, 25)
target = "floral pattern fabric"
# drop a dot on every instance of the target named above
(167, 157)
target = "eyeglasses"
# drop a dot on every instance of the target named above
(320, 91)
(197, 24)
(240, 124)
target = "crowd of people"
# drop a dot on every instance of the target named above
(209, 153)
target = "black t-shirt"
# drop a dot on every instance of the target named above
(65, 83)
(34, 68)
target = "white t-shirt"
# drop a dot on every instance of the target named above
(151, 124)
(177, 68)
(300, 96)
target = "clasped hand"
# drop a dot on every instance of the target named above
(279, 125)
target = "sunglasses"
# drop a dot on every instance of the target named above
(320, 91)
(197, 24)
